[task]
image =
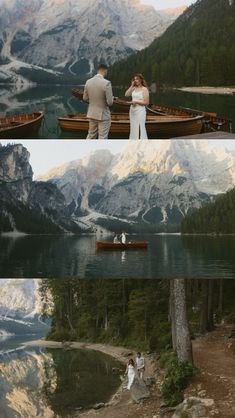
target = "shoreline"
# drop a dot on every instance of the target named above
(228, 91)
(119, 353)
(120, 402)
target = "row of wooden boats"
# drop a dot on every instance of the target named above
(162, 122)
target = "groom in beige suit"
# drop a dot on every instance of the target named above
(98, 93)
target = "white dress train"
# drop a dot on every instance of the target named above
(137, 118)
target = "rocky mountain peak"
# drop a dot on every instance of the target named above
(148, 181)
(14, 164)
(73, 37)
(20, 297)
(26, 205)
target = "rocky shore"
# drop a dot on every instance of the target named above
(211, 393)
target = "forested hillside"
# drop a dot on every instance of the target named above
(217, 217)
(197, 49)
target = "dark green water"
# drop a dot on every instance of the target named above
(54, 382)
(58, 101)
(168, 256)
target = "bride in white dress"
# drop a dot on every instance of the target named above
(140, 99)
(130, 373)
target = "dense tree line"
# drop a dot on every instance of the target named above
(197, 49)
(25, 219)
(217, 217)
(159, 315)
(113, 311)
(136, 313)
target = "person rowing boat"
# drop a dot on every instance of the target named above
(116, 240)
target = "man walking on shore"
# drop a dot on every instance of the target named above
(98, 93)
(140, 364)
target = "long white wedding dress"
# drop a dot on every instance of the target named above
(138, 118)
(131, 376)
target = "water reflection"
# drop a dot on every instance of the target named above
(75, 256)
(123, 256)
(44, 382)
(58, 101)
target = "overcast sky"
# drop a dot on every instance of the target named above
(165, 4)
(48, 154)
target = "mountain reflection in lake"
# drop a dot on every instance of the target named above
(54, 382)
(58, 101)
(168, 256)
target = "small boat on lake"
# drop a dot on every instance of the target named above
(158, 126)
(20, 126)
(141, 245)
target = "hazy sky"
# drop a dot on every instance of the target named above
(164, 4)
(47, 154)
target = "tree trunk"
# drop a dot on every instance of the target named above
(172, 314)
(106, 322)
(221, 294)
(204, 307)
(195, 291)
(210, 325)
(183, 340)
(123, 297)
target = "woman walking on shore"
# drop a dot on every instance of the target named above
(140, 99)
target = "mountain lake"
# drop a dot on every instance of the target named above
(167, 256)
(57, 100)
(49, 382)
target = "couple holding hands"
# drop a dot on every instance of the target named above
(99, 95)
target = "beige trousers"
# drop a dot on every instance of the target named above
(98, 129)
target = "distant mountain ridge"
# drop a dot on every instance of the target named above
(148, 185)
(48, 39)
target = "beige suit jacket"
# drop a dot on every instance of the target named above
(98, 93)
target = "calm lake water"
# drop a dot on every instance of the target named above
(58, 101)
(51, 383)
(168, 256)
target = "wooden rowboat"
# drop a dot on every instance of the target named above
(167, 126)
(20, 126)
(211, 121)
(141, 245)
